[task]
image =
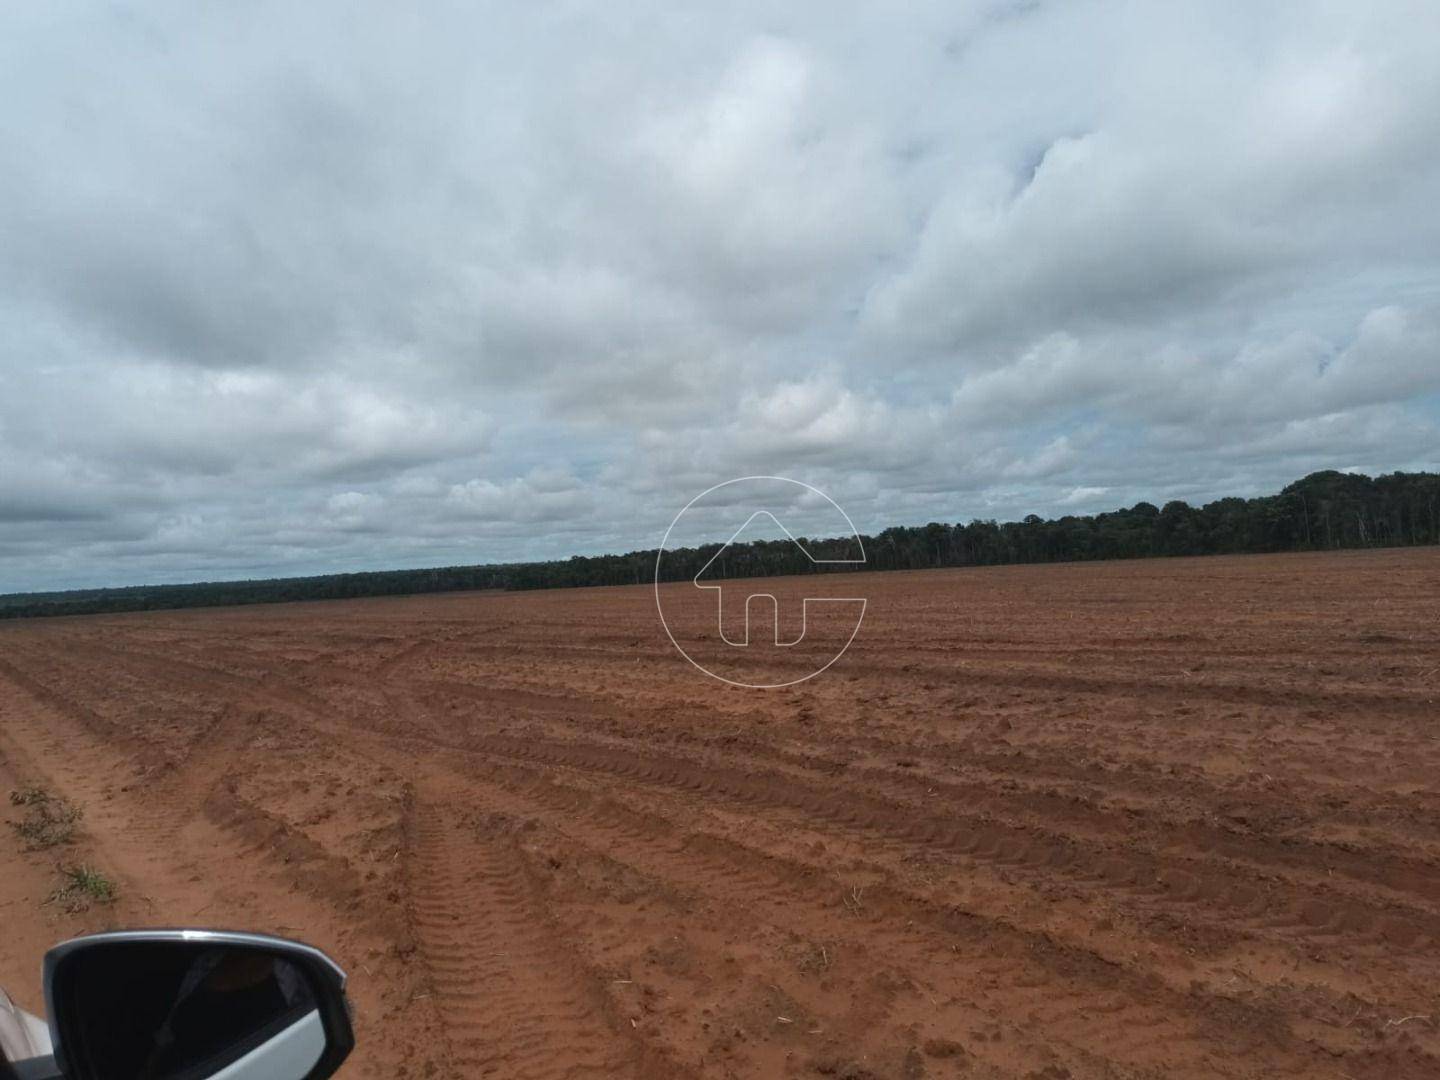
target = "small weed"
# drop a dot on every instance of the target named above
(48, 821)
(82, 885)
(811, 957)
(854, 900)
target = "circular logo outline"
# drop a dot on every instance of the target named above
(660, 608)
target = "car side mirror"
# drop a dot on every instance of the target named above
(195, 1004)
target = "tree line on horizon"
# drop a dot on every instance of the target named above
(1325, 511)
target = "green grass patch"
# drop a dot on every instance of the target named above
(83, 886)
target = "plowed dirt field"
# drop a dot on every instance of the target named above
(1162, 818)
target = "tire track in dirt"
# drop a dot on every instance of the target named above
(511, 1002)
(1256, 904)
(998, 972)
(159, 824)
(992, 842)
(997, 851)
(1060, 683)
(475, 925)
(1008, 861)
(1043, 811)
(1050, 1000)
(306, 700)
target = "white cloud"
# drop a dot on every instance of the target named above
(1083, 496)
(309, 289)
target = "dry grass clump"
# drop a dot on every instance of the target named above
(49, 820)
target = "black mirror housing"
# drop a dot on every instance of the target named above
(193, 1004)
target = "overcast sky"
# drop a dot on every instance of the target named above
(295, 288)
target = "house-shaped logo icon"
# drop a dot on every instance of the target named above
(761, 610)
(763, 605)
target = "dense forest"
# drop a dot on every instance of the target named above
(1324, 511)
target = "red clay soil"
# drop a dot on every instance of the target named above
(1163, 818)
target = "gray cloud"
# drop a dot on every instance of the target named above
(302, 288)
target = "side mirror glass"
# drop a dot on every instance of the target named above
(192, 1005)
